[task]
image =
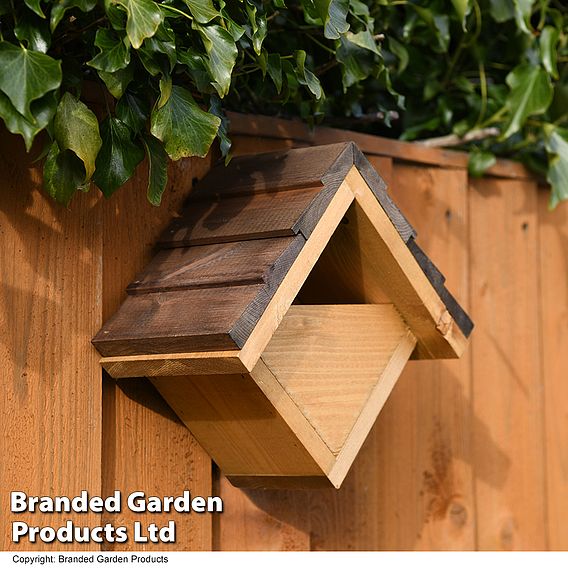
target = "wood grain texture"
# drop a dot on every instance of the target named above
(139, 429)
(329, 359)
(411, 484)
(208, 266)
(507, 379)
(240, 218)
(553, 254)
(50, 305)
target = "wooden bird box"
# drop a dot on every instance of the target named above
(280, 311)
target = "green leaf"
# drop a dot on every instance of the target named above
(523, 10)
(157, 168)
(332, 13)
(76, 128)
(33, 31)
(26, 76)
(355, 64)
(35, 6)
(274, 68)
(556, 143)
(158, 53)
(118, 156)
(42, 110)
(61, 6)
(223, 132)
(363, 39)
(114, 52)
(530, 93)
(63, 174)
(401, 52)
(502, 10)
(222, 53)
(133, 110)
(183, 127)
(461, 7)
(479, 162)
(144, 17)
(118, 81)
(548, 49)
(202, 10)
(165, 90)
(306, 77)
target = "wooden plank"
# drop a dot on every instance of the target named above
(145, 446)
(269, 128)
(329, 359)
(175, 322)
(200, 363)
(411, 486)
(50, 305)
(237, 425)
(240, 218)
(507, 380)
(553, 247)
(402, 277)
(207, 266)
(271, 171)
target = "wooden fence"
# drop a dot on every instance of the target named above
(468, 454)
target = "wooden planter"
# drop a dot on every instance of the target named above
(281, 310)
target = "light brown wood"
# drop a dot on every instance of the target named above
(329, 360)
(507, 379)
(197, 363)
(402, 278)
(553, 247)
(50, 305)
(237, 425)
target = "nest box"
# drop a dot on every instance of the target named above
(279, 312)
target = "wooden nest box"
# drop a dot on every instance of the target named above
(279, 312)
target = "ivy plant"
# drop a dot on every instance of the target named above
(164, 72)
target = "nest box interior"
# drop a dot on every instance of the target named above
(280, 311)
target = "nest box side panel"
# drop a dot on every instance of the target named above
(236, 424)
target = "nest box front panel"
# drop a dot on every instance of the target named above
(280, 312)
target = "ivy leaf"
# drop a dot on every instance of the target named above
(144, 17)
(26, 76)
(76, 128)
(118, 81)
(479, 162)
(222, 53)
(223, 132)
(556, 143)
(274, 69)
(548, 53)
(157, 168)
(502, 10)
(461, 7)
(197, 66)
(42, 110)
(34, 32)
(355, 64)
(530, 93)
(183, 127)
(332, 13)
(523, 10)
(118, 156)
(60, 7)
(35, 6)
(63, 174)
(363, 39)
(401, 52)
(114, 52)
(158, 53)
(202, 10)
(306, 77)
(133, 110)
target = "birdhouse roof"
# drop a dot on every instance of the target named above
(255, 237)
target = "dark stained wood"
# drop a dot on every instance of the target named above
(175, 322)
(207, 266)
(240, 218)
(273, 171)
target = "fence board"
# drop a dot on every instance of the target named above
(553, 233)
(411, 485)
(507, 387)
(49, 309)
(145, 446)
